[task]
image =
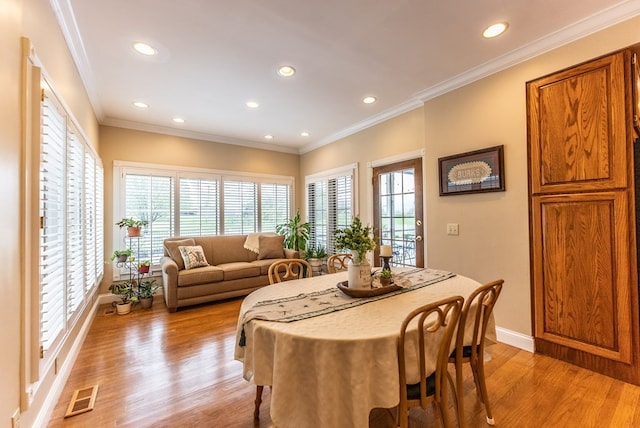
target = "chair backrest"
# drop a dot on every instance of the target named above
(289, 269)
(482, 301)
(338, 262)
(438, 318)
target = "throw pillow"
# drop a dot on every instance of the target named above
(173, 250)
(193, 256)
(271, 247)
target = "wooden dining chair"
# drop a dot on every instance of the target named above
(439, 319)
(289, 269)
(338, 262)
(479, 307)
(282, 270)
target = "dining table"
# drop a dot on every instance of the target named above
(331, 358)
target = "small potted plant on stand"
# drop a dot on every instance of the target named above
(144, 266)
(125, 290)
(359, 239)
(146, 290)
(133, 226)
(121, 256)
(315, 256)
(385, 277)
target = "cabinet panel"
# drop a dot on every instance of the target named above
(574, 117)
(582, 272)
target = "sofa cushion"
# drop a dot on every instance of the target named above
(172, 250)
(271, 247)
(193, 256)
(201, 275)
(237, 270)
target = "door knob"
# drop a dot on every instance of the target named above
(418, 238)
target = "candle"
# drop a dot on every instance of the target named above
(385, 251)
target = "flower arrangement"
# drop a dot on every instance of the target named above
(357, 238)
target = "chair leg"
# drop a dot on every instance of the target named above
(256, 411)
(459, 393)
(483, 391)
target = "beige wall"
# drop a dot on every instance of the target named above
(494, 234)
(32, 19)
(147, 147)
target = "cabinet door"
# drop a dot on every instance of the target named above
(582, 274)
(577, 128)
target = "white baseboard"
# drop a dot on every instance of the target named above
(516, 339)
(54, 393)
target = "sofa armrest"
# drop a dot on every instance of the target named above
(170, 282)
(291, 254)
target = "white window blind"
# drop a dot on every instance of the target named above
(149, 197)
(52, 232)
(330, 204)
(275, 205)
(240, 207)
(75, 233)
(90, 221)
(199, 206)
(99, 214)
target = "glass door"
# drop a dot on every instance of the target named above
(397, 212)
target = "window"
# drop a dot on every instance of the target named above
(330, 202)
(70, 203)
(194, 202)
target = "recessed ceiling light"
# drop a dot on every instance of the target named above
(286, 71)
(369, 100)
(304, 133)
(495, 30)
(252, 104)
(268, 137)
(144, 48)
(140, 104)
(178, 120)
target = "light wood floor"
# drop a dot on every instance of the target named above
(156, 369)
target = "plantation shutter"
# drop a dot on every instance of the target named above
(240, 207)
(52, 214)
(330, 200)
(75, 234)
(90, 221)
(275, 203)
(99, 225)
(199, 207)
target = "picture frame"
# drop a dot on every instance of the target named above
(472, 172)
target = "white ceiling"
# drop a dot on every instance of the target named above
(216, 55)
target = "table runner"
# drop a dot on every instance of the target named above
(308, 305)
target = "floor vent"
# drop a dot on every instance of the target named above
(82, 401)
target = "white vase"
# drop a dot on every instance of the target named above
(359, 275)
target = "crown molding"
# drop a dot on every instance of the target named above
(69, 27)
(145, 127)
(614, 15)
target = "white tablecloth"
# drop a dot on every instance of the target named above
(331, 370)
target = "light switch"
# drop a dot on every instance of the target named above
(452, 228)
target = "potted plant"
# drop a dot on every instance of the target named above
(385, 277)
(315, 256)
(146, 290)
(144, 266)
(133, 226)
(121, 256)
(296, 233)
(125, 290)
(359, 240)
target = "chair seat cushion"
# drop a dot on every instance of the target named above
(413, 391)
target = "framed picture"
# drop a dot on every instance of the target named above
(472, 172)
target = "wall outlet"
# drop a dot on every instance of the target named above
(452, 228)
(15, 419)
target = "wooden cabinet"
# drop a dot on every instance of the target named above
(582, 216)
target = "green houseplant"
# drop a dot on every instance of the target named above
(121, 256)
(357, 238)
(296, 233)
(126, 291)
(146, 291)
(315, 256)
(133, 225)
